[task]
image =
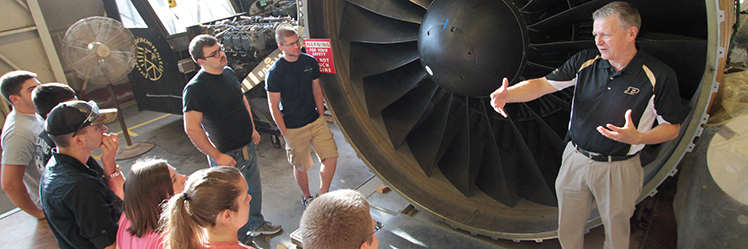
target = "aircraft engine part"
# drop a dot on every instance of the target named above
(410, 95)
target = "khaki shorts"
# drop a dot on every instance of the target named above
(316, 134)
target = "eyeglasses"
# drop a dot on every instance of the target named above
(377, 226)
(93, 112)
(297, 42)
(217, 53)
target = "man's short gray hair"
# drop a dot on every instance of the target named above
(627, 14)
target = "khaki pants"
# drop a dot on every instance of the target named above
(614, 185)
(318, 135)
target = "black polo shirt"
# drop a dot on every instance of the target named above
(646, 86)
(221, 101)
(81, 210)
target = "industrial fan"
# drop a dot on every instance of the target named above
(99, 49)
(411, 97)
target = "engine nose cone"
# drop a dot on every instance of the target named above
(468, 46)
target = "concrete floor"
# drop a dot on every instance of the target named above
(282, 197)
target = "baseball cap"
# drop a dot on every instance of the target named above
(71, 116)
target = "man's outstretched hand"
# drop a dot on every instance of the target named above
(498, 98)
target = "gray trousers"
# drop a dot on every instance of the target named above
(615, 186)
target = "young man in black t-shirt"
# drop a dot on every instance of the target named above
(213, 103)
(296, 104)
(46, 97)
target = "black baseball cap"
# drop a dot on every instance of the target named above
(71, 116)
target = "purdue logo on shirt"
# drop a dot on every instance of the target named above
(308, 69)
(631, 91)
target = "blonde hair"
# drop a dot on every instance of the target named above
(338, 219)
(207, 193)
(284, 31)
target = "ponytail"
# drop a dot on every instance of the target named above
(207, 193)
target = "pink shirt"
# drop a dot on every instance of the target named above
(125, 240)
(227, 245)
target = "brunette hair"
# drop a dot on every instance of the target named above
(337, 219)
(208, 192)
(11, 83)
(147, 186)
(47, 96)
(198, 43)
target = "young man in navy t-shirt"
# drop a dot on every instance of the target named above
(297, 106)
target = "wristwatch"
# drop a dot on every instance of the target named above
(117, 172)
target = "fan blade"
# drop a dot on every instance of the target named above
(531, 180)
(455, 160)
(541, 66)
(544, 137)
(365, 26)
(370, 59)
(384, 89)
(536, 5)
(87, 58)
(403, 114)
(395, 9)
(424, 140)
(579, 13)
(495, 178)
(423, 3)
(564, 45)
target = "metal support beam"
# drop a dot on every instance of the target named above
(20, 2)
(9, 62)
(16, 31)
(49, 46)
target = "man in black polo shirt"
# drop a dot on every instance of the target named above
(81, 200)
(620, 92)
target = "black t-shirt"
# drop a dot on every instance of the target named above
(43, 150)
(294, 82)
(81, 210)
(219, 98)
(646, 85)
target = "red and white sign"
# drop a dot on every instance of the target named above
(322, 50)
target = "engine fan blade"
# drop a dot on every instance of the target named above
(579, 13)
(395, 9)
(424, 139)
(403, 114)
(564, 45)
(517, 155)
(369, 59)
(537, 5)
(495, 178)
(423, 3)
(366, 26)
(386, 88)
(455, 162)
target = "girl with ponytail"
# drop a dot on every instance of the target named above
(210, 211)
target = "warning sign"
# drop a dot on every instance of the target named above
(322, 50)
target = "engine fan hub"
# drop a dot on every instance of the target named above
(468, 59)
